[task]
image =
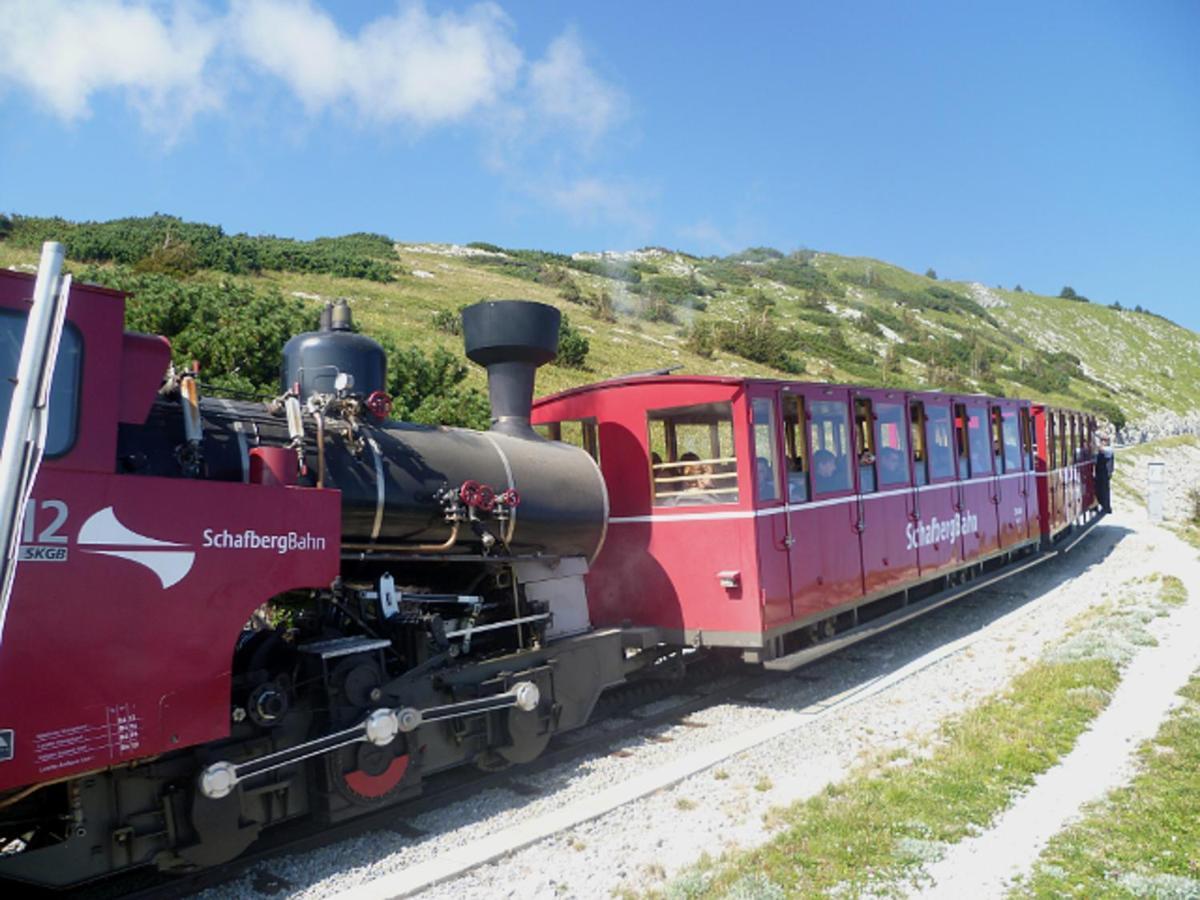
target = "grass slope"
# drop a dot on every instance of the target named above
(830, 317)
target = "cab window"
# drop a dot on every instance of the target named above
(581, 433)
(64, 389)
(692, 455)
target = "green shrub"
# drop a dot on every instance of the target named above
(236, 333)
(146, 242)
(448, 321)
(572, 346)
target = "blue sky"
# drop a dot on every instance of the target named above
(1031, 143)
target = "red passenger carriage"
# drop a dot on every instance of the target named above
(772, 516)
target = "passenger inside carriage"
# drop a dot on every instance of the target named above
(826, 475)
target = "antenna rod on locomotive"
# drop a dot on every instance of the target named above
(511, 338)
(29, 409)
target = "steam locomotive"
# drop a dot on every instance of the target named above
(231, 614)
(228, 615)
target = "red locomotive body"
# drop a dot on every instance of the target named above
(132, 591)
(772, 516)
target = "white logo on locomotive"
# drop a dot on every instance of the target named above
(922, 534)
(168, 560)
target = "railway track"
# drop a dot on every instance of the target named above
(708, 681)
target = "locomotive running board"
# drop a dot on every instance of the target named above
(883, 623)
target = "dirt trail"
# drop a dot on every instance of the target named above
(1103, 758)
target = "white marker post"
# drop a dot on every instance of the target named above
(29, 411)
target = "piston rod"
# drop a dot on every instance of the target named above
(380, 728)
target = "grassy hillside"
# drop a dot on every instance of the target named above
(807, 315)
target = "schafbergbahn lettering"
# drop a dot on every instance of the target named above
(922, 534)
(249, 539)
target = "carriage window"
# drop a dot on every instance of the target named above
(1052, 442)
(980, 451)
(998, 439)
(1011, 434)
(941, 441)
(1063, 457)
(829, 442)
(692, 455)
(960, 436)
(64, 389)
(891, 447)
(916, 415)
(793, 435)
(580, 433)
(1027, 439)
(863, 422)
(766, 463)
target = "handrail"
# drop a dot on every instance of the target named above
(29, 410)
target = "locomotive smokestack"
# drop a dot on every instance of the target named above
(511, 338)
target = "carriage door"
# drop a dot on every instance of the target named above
(1010, 476)
(886, 500)
(977, 520)
(770, 509)
(823, 518)
(936, 476)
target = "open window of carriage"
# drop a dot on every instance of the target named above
(581, 433)
(794, 446)
(829, 443)
(1027, 439)
(920, 456)
(1064, 454)
(692, 455)
(997, 421)
(864, 427)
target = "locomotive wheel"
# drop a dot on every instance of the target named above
(365, 774)
(530, 733)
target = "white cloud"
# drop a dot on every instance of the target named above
(427, 69)
(594, 201)
(566, 91)
(171, 60)
(64, 52)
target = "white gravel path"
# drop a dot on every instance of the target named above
(951, 659)
(1103, 758)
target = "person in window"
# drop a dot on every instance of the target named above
(699, 474)
(698, 484)
(825, 471)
